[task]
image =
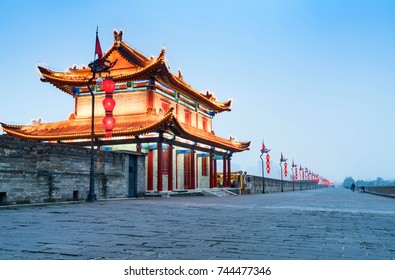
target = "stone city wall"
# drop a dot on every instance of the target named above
(379, 190)
(36, 172)
(254, 185)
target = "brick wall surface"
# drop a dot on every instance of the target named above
(36, 172)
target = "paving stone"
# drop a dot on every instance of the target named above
(316, 224)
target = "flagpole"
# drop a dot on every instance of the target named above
(263, 173)
(91, 195)
(97, 36)
(263, 151)
(281, 182)
(97, 67)
(282, 159)
(293, 175)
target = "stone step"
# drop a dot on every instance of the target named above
(221, 192)
(217, 192)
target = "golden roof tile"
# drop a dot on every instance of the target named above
(80, 129)
(134, 66)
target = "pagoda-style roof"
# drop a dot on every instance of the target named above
(131, 65)
(136, 125)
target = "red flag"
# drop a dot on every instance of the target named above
(98, 48)
(263, 147)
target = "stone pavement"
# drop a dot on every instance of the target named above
(329, 223)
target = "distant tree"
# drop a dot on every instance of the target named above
(348, 182)
(360, 183)
(369, 183)
(379, 181)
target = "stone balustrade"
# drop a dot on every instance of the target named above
(379, 190)
(254, 185)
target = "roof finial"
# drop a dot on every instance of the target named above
(118, 36)
(180, 74)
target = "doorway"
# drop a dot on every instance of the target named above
(3, 198)
(132, 190)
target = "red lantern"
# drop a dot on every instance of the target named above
(109, 124)
(296, 173)
(108, 104)
(268, 163)
(285, 169)
(108, 85)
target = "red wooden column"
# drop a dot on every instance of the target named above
(197, 171)
(170, 164)
(159, 172)
(150, 171)
(215, 173)
(229, 170)
(211, 171)
(224, 173)
(193, 171)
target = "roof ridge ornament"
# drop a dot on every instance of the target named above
(180, 76)
(37, 122)
(100, 64)
(118, 36)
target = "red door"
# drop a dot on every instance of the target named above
(187, 171)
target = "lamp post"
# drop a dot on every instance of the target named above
(300, 177)
(293, 166)
(98, 66)
(264, 150)
(282, 159)
(91, 195)
(307, 174)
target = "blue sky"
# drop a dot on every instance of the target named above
(315, 79)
